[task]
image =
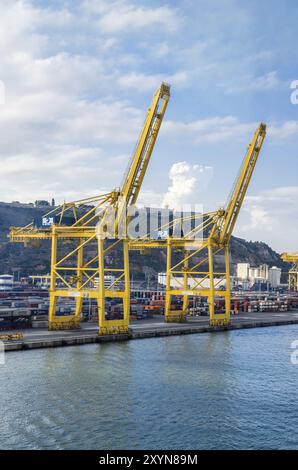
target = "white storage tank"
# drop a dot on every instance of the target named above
(6, 282)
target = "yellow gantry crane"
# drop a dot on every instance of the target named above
(195, 274)
(85, 233)
(293, 271)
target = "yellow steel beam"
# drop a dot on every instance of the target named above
(289, 257)
(222, 231)
(140, 159)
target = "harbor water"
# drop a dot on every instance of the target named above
(228, 390)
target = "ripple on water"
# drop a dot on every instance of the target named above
(229, 390)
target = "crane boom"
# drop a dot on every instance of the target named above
(133, 178)
(222, 231)
(137, 168)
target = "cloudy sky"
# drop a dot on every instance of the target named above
(79, 75)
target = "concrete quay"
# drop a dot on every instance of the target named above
(151, 328)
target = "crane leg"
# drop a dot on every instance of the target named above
(168, 282)
(293, 280)
(295, 277)
(173, 316)
(108, 327)
(219, 319)
(56, 322)
(52, 311)
(185, 307)
(211, 287)
(228, 285)
(79, 300)
(126, 298)
(53, 298)
(101, 288)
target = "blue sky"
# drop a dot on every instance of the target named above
(79, 76)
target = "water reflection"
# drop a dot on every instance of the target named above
(229, 390)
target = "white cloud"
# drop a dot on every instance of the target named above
(259, 57)
(217, 129)
(64, 81)
(160, 50)
(144, 82)
(60, 125)
(36, 177)
(284, 130)
(289, 193)
(126, 17)
(186, 183)
(271, 216)
(213, 129)
(260, 219)
(151, 198)
(265, 82)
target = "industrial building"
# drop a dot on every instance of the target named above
(256, 276)
(6, 282)
(192, 282)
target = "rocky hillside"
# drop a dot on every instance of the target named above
(15, 258)
(254, 253)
